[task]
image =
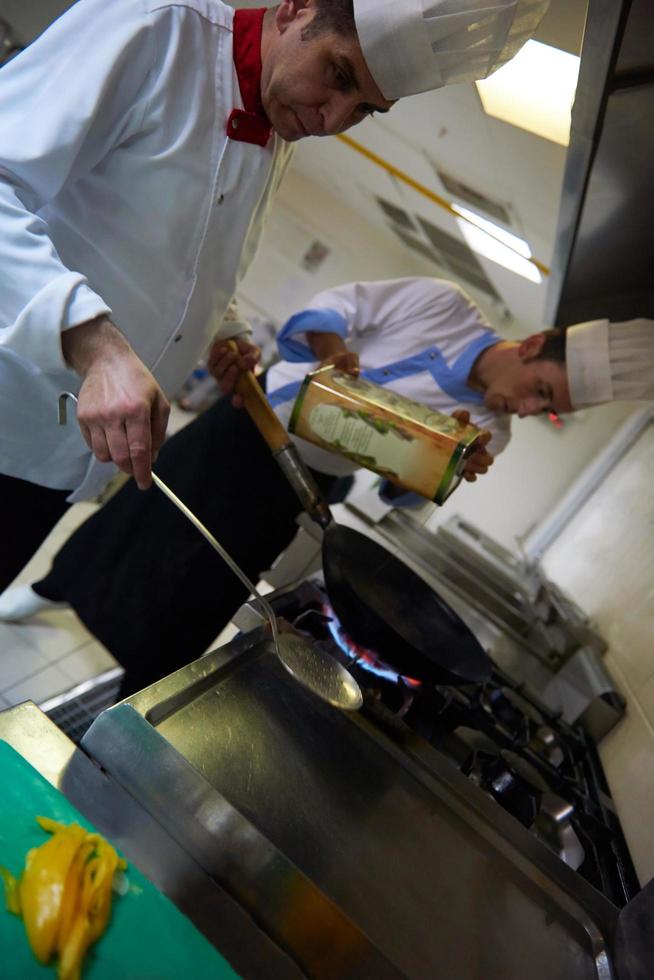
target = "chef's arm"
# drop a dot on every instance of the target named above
(122, 412)
(224, 363)
(65, 102)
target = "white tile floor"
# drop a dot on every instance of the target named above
(53, 651)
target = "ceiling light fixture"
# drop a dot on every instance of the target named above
(496, 243)
(535, 91)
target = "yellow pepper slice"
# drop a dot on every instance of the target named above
(64, 894)
(42, 888)
(12, 891)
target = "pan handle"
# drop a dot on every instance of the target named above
(263, 415)
(259, 408)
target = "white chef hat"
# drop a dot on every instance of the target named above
(610, 361)
(417, 45)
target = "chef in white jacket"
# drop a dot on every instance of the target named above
(141, 142)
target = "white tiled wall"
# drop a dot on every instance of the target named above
(604, 559)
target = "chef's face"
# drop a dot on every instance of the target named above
(525, 386)
(315, 86)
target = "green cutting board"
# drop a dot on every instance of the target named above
(147, 937)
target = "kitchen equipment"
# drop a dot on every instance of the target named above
(314, 669)
(410, 444)
(300, 812)
(499, 733)
(320, 673)
(374, 594)
(384, 605)
(146, 936)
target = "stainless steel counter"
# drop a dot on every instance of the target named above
(303, 841)
(361, 849)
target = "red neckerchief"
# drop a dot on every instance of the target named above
(249, 125)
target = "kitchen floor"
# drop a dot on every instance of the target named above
(52, 652)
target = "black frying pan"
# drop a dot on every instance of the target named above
(386, 607)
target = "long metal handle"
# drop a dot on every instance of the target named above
(197, 523)
(226, 557)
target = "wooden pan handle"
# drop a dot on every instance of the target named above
(259, 408)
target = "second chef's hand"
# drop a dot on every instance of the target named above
(226, 365)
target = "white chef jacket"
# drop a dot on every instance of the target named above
(418, 336)
(120, 193)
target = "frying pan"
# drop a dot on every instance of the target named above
(380, 602)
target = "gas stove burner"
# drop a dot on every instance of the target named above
(368, 660)
(515, 791)
(554, 827)
(546, 744)
(538, 768)
(520, 789)
(510, 708)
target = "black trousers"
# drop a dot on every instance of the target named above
(144, 581)
(29, 514)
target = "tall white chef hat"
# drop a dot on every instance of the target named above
(417, 45)
(610, 361)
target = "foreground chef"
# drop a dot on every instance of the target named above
(140, 144)
(152, 590)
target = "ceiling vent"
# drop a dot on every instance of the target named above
(450, 254)
(478, 201)
(398, 216)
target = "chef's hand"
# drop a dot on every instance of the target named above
(345, 360)
(330, 351)
(226, 365)
(122, 412)
(478, 461)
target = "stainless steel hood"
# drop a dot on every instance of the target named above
(602, 264)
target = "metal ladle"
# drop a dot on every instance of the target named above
(306, 662)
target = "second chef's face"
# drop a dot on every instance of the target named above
(527, 386)
(314, 86)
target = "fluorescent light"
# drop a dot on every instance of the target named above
(535, 91)
(495, 243)
(518, 244)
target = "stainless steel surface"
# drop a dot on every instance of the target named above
(554, 826)
(524, 622)
(314, 668)
(306, 814)
(584, 690)
(62, 406)
(633, 943)
(601, 265)
(304, 484)
(146, 844)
